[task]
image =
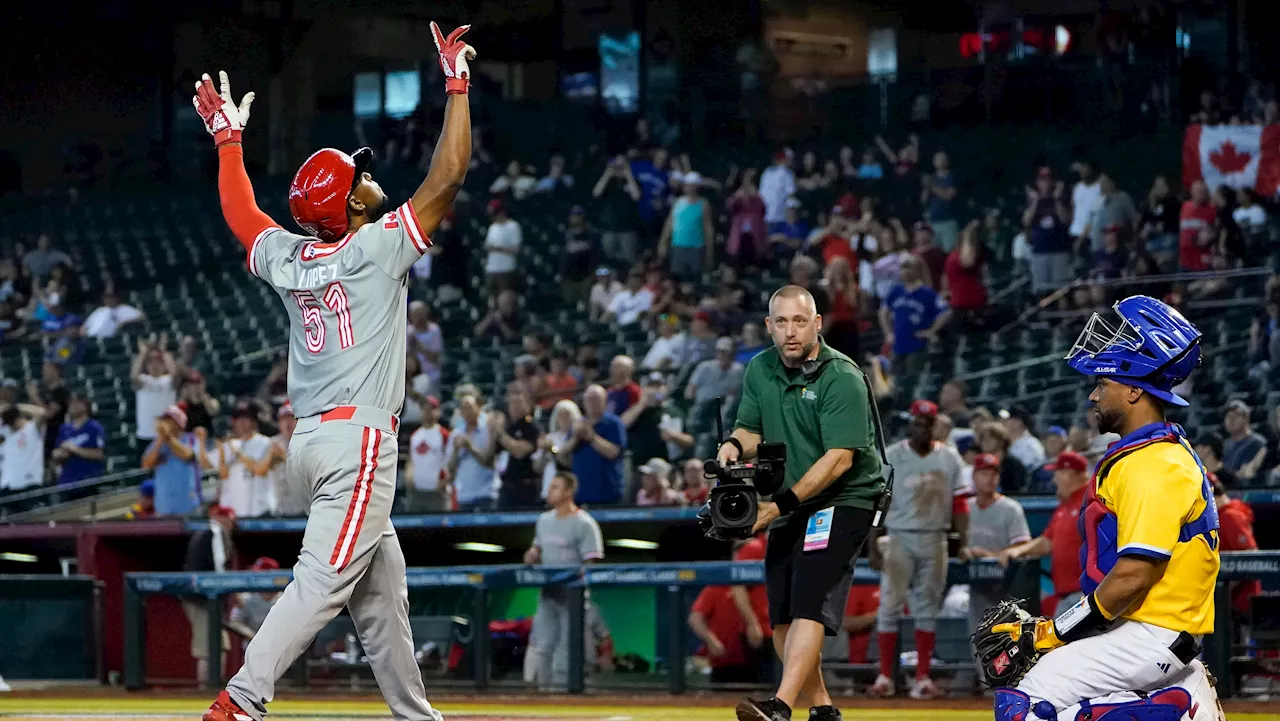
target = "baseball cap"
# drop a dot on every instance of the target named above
(703, 316)
(1113, 228)
(985, 461)
(1056, 431)
(1045, 172)
(922, 407)
(9, 383)
(793, 202)
(1069, 461)
(655, 379)
(922, 225)
(692, 178)
(175, 414)
(147, 488)
(964, 444)
(265, 563)
(194, 376)
(244, 409)
(656, 466)
(780, 156)
(577, 210)
(725, 343)
(433, 401)
(495, 205)
(1239, 405)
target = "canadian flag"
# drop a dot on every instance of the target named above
(1238, 156)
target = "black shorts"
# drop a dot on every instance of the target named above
(814, 585)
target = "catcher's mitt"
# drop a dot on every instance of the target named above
(1003, 660)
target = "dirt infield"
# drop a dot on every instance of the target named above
(65, 704)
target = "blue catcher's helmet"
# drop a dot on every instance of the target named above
(1149, 346)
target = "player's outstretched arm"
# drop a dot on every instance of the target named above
(452, 157)
(225, 121)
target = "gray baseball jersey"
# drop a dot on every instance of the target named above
(346, 302)
(995, 528)
(564, 541)
(999, 525)
(347, 315)
(568, 540)
(924, 489)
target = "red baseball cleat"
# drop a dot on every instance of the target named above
(224, 709)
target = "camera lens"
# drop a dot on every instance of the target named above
(734, 507)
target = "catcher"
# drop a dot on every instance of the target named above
(1150, 561)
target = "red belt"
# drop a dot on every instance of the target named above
(345, 413)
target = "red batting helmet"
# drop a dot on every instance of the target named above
(319, 192)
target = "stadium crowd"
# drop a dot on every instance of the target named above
(899, 260)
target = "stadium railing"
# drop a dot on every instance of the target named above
(673, 579)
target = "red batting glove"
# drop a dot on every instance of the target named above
(454, 55)
(221, 117)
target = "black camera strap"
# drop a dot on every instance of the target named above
(812, 370)
(886, 497)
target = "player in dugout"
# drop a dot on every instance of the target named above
(1150, 550)
(817, 401)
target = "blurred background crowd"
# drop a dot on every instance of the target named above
(958, 187)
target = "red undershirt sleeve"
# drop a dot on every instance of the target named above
(235, 192)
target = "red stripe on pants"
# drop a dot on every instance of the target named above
(355, 495)
(368, 491)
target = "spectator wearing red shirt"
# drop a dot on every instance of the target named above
(1235, 533)
(860, 619)
(1061, 539)
(694, 487)
(962, 281)
(844, 299)
(759, 630)
(923, 247)
(729, 620)
(836, 242)
(1195, 245)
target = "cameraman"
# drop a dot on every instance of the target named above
(813, 399)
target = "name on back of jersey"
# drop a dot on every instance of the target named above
(313, 276)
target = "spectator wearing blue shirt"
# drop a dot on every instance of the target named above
(597, 443)
(653, 177)
(753, 343)
(938, 198)
(81, 443)
(788, 235)
(870, 168)
(911, 316)
(172, 456)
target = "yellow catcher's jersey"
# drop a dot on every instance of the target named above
(1160, 497)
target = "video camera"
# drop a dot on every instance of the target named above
(734, 501)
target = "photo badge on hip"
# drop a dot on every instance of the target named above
(818, 533)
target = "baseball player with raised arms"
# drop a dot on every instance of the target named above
(345, 290)
(1126, 650)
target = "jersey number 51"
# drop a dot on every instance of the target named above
(334, 298)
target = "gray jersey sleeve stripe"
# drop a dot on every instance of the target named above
(253, 249)
(413, 227)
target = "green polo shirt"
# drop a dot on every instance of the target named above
(812, 418)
